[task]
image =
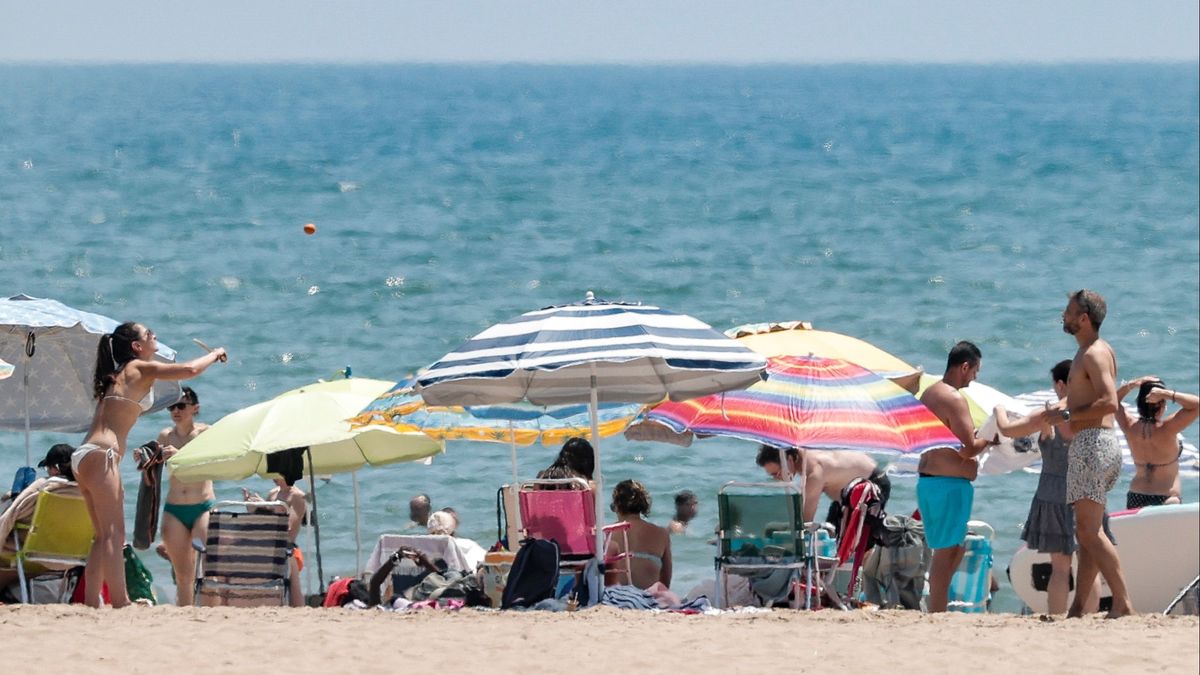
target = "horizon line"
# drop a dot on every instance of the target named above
(602, 62)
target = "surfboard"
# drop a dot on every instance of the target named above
(1160, 555)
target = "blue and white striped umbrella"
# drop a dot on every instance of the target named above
(590, 352)
(636, 354)
(52, 348)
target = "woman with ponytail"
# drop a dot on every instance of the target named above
(123, 387)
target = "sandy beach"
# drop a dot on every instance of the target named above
(596, 640)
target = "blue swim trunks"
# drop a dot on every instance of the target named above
(945, 505)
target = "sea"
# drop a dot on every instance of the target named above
(911, 206)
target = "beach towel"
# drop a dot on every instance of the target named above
(149, 459)
(632, 597)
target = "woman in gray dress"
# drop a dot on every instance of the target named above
(1050, 526)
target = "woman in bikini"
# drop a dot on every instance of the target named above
(1050, 525)
(1154, 440)
(649, 544)
(185, 513)
(123, 387)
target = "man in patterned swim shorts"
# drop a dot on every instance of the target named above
(1094, 458)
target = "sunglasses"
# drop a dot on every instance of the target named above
(179, 406)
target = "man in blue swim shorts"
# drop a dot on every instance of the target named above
(944, 490)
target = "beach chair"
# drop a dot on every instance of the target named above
(57, 537)
(971, 585)
(761, 535)
(246, 559)
(860, 513)
(564, 510)
(508, 518)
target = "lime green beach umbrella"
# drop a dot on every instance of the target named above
(314, 416)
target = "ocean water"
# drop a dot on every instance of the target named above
(912, 206)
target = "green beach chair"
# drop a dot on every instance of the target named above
(761, 535)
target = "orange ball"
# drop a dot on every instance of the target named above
(310, 229)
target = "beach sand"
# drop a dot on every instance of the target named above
(222, 640)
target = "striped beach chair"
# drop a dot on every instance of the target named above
(970, 587)
(245, 561)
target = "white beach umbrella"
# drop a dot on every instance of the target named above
(52, 349)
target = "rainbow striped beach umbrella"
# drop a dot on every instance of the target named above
(817, 403)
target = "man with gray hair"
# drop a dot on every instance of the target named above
(1094, 458)
(419, 509)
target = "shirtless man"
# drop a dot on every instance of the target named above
(1094, 458)
(185, 513)
(944, 491)
(286, 491)
(1154, 440)
(686, 507)
(825, 473)
(419, 509)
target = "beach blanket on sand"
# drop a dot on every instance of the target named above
(655, 597)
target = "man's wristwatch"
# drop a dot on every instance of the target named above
(1066, 415)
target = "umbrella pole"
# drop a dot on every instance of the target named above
(512, 448)
(25, 387)
(599, 478)
(316, 521)
(357, 527)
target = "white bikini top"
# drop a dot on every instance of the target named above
(145, 404)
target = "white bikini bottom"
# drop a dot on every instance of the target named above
(83, 451)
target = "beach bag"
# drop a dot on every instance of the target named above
(534, 574)
(138, 579)
(894, 571)
(449, 585)
(50, 588)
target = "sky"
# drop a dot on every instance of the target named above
(612, 31)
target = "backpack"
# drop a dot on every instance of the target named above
(894, 572)
(534, 574)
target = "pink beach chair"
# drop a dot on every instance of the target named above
(565, 510)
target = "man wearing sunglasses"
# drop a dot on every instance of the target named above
(185, 514)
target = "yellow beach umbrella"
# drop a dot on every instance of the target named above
(798, 338)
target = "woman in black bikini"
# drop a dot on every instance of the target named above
(1154, 440)
(123, 387)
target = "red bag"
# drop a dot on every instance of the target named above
(337, 592)
(77, 595)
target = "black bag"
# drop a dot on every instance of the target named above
(534, 574)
